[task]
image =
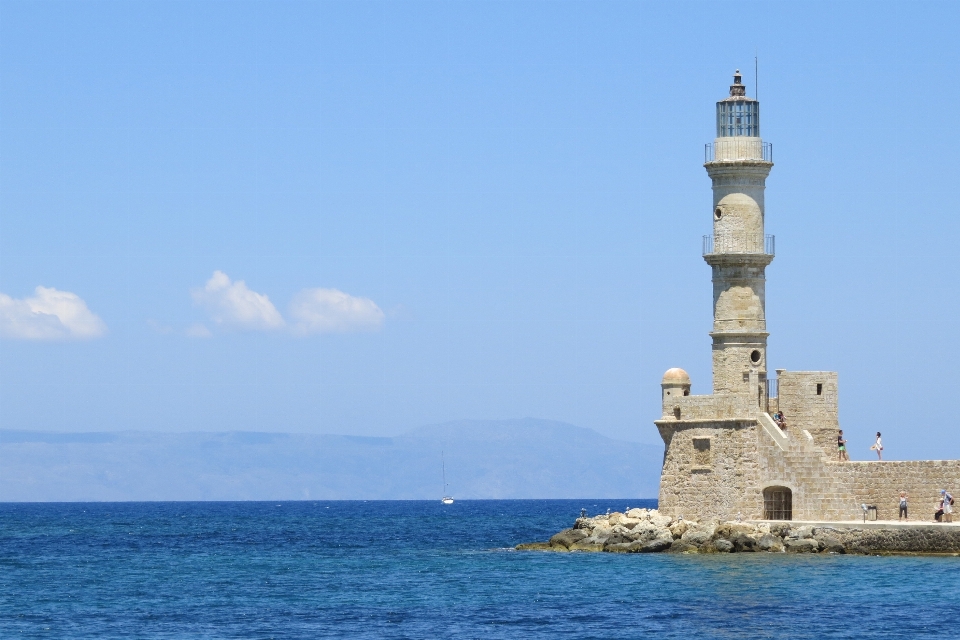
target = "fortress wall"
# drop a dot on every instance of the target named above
(711, 470)
(801, 471)
(804, 408)
(880, 483)
(709, 407)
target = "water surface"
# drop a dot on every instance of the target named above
(411, 569)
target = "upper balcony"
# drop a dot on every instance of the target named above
(736, 149)
(739, 244)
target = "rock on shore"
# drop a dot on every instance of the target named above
(647, 531)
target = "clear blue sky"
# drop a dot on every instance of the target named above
(509, 196)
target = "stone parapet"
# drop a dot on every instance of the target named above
(709, 407)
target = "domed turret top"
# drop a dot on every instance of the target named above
(676, 376)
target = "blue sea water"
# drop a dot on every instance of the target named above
(410, 569)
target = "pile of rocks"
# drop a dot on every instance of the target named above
(646, 530)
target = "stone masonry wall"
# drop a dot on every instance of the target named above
(824, 489)
(708, 407)
(804, 408)
(880, 483)
(711, 470)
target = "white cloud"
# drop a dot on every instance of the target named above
(49, 315)
(198, 330)
(233, 304)
(333, 311)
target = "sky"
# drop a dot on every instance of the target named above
(363, 217)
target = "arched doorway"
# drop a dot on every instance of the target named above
(777, 503)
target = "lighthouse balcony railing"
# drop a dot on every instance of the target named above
(737, 243)
(738, 148)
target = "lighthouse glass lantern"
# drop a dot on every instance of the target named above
(738, 115)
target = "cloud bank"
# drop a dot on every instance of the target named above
(49, 315)
(234, 305)
(333, 311)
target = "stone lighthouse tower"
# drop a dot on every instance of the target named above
(738, 163)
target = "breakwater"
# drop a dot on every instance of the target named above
(648, 531)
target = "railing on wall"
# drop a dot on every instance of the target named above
(772, 396)
(739, 243)
(738, 149)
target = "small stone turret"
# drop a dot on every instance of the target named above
(675, 384)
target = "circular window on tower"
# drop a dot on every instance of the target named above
(755, 356)
(717, 213)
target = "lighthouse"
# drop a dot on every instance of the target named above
(738, 162)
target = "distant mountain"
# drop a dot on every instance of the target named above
(526, 458)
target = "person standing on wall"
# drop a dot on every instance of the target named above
(841, 448)
(878, 447)
(903, 506)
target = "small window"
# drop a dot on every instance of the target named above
(686, 392)
(717, 214)
(755, 357)
(676, 412)
(819, 388)
(701, 452)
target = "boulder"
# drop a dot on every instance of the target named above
(567, 537)
(655, 546)
(617, 539)
(583, 523)
(698, 534)
(780, 529)
(801, 545)
(645, 531)
(623, 547)
(730, 530)
(587, 544)
(769, 542)
(677, 529)
(636, 513)
(831, 544)
(614, 518)
(743, 542)
(659, 520)
(717, 546)
(800, 533)
(679, 546)
(602, 532)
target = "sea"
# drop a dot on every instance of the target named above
(421, 569)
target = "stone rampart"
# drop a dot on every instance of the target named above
(709, 407)
(879, 484)
(711, 469)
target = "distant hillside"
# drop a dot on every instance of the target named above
(526, 458)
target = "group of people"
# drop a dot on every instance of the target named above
(842, 455)
(842, 447)
(780, 419)
(944, 506)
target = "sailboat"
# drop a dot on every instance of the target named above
(443, 468)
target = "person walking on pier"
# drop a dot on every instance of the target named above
(878, 447)
(947, 504)
(841, 448)
(903, 506)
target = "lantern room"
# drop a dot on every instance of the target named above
(738, 115)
